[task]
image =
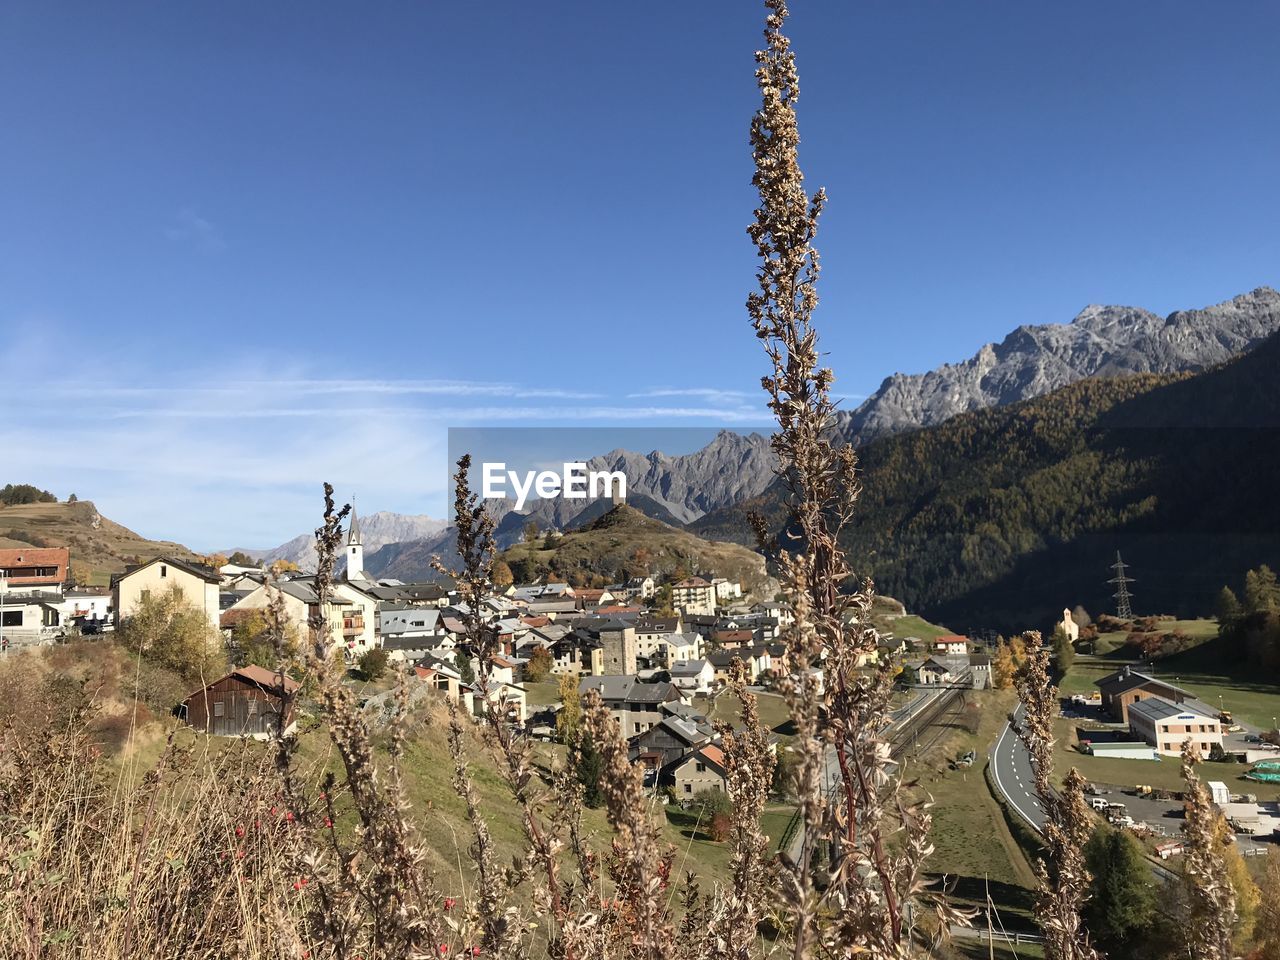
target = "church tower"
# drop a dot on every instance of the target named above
(355, 548)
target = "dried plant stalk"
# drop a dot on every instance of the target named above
(840, 725)
(1064, 880)
(1210, 895)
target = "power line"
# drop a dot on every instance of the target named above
(1122, 595)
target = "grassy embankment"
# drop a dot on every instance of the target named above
(978, 849)
(1215, 676)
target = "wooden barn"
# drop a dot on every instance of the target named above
(247, 702)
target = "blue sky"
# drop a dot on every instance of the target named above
(245, 246)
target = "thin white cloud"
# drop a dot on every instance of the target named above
(191, 228)
(241, 388)
(707, 392)
(226, 457)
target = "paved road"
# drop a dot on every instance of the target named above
(1011, 769)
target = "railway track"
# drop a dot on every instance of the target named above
(934, 718)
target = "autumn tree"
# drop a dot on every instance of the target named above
(569, 717)
(539, 666)
(242, 559)
(1261, 592)
(167, 629)
(1009, 656)
(1064, 879)
(1266, 927)
(79, 574)
(502, 575)
(1242, 885)
(282, 566)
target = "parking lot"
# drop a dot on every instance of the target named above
(1163, 818)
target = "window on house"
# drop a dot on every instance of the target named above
(164, 571)
(12, 618)
(688, 788)
(219, 709)
(702, 767)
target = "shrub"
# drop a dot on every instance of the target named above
(372, 663)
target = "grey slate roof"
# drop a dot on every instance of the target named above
(628, 689)
(1156, 709)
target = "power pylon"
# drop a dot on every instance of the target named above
(1123, 610)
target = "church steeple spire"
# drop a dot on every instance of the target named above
(353, 534)
(355, 548)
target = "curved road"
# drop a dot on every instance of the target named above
(1011, 769)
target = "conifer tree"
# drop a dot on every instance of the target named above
(1122, 903)
(1228, 607)
(1261, 592)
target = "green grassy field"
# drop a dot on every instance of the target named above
(1165, 772)
(542, 694)
(442, 816)
(1211, 671)
(964, 811)
(1206, 671)
(912, 626)
(727, 707)
(1219, 677)
(1200, 630)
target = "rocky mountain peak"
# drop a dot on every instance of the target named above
(1036, 359)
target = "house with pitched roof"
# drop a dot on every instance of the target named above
(249, 701)
(351, 615)
(199, 586)
(1126, 686)
(32, 570)
(693, 676)
(668, 741)
(636, 706)
(694, 595)
(933, 672)
(703, 769)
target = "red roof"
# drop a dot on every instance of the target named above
(693, 582)
(714, 754)
(29, 558)
(952, 638)
(265, 678)
(535, 622)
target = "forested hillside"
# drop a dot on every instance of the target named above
(1000, 518)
